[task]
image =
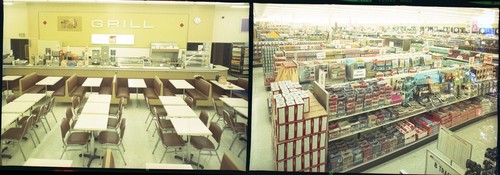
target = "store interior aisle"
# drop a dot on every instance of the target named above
(481, 134)
(261, 154)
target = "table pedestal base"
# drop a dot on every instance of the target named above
(189, 161)
(91, 156)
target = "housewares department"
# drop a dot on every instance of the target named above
(145, 85)
(374, 89)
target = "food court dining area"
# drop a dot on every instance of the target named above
(118, 122)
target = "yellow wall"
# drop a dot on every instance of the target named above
(161, 15)
(227, 25)
(14, 27)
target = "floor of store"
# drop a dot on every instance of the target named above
(481, 134)
(138, 142)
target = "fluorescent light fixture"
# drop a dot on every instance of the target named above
(8, 3)
(240, 6)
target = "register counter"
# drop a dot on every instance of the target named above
(109, 71)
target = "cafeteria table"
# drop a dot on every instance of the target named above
(96, 98)
(180, 112)
(228, 87)
(96, 108)
(242, 111)
(91, 123)
(8, 78)
(7, 119)
(182, 84)
(92, 82)
(190, 127)
(29, 97)
(136, 83)
(48, 81)
(235, 102)
(172, 101)
(48, 162)
(168, 166)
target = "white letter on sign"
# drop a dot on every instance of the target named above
(97, 23)
(114, 23)
(132, 25)
(147, 27)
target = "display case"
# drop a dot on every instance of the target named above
(240, 61)
(166, 53)
(196, 59)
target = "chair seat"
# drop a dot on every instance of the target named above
(105, 90)
(13, 134)
(113, 111)
(79, 110)
(112, 122)
(200, 142)
(79, 92)
(166, 124)
(168, 92)
(60, 92)
(35, 89)
(22, 120)
(150, 93)
(239, 127)
(196, 95)
(172, 139)
(161, 110)
(123, 92)
(78, 138)
(110, 137)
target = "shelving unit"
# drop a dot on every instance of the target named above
(240, 61)
(165, 53)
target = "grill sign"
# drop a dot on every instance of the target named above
(123, 24)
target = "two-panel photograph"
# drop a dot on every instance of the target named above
(250, 87)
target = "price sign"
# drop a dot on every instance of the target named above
(488, 59)
(321, 55)
(359, 73)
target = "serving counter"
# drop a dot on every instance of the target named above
(125, 72)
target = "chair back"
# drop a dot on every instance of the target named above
(214, 104)
(204, 117)
(64, 128)
(147, 104)
(10, 98)
(122, 129)
(228, 119)
(109, 161)
(216, 131)
(69, 113)
(228, 163)
(189, 101)
(26, 125)
(51, 104)
(160, 131)
(75, 102)
(155, 113)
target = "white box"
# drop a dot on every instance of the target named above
(322, 141)
(298, 163)
(314, 158)
(307, 160)
(324, 123)
(305, 98)
(300, 129)
(316, 125)
(307, 146)
(290, 151)
(281, 151)
(314, 142)
(291, 131)
(308, 127)
(282, 132)
(298, 147)
(280, 112)
(300, 108)
(291, 110)
(289, 166)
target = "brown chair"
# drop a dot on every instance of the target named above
(10, 98)
(189, 101)
(218, 111)
(69, 115)
(109, 161)
(159, 109)
(204, 117)
(204, 144)
(165, 124)
(75, 104)
(50, 107)
(168, 140)
(44, 113)
(114, 110)
(113, 139)
(238, 128)
(114, 122)
(228, 162)
(15, 135)
(75, 140)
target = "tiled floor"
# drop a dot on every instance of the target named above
(482, 134)
(138, 142)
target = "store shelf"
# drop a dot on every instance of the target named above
(422, 141)
(362, 112)
(402, 118)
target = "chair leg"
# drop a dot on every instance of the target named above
(47, 121)
(147, 118)
(65, 147)
(122, 147)
(123, 158)
(242, 149)
(36, 136)
(199, 155)
(235, 137)
(165, 152)
(154, 132)
(44, 128)
(151, 121)
(53, 115)
(156, 145)
(32, 140)
(21, 148)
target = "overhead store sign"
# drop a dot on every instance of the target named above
(98, 23)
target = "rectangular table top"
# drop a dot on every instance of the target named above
(88, 122)
(190, 127)
(49, 81)
(92, 82)
(181, 84)
(235, 102)
(242, 111)
(136, 83)
(29, 97)
(168, 166)
(180, 112)
(8, 118)
(48, 162)
(17, 107)
(172, 101)
(227, 86)
(96, 108)
(96, 98)
(10, 77)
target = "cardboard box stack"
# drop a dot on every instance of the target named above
(299, 129)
